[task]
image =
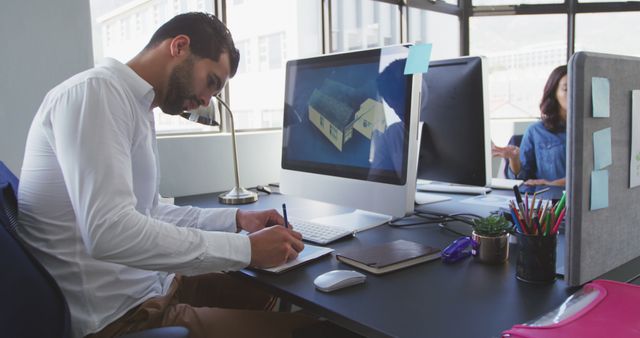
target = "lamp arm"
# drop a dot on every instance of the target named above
(236, 169)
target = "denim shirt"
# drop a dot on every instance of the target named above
(543, 154)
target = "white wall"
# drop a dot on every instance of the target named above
(193, 165)
(45, 42)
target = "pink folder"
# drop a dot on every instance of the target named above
(613, 311)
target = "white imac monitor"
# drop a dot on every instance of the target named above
(350, 133)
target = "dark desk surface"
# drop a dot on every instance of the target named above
(466, 299)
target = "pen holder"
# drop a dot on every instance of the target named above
(490, 249)
(536, 258)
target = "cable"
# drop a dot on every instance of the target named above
(436, 218)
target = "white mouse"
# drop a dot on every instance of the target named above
(338, 279)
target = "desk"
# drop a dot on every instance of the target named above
(466, 299)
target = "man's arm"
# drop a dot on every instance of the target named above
(92, 138)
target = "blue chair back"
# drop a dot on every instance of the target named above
(31, 303)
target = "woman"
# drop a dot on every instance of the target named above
(540, 159)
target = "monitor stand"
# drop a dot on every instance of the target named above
(424, 185)
(356, 221)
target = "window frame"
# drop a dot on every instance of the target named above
(464, 11)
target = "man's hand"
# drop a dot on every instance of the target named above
(253, 221)
(274, 246)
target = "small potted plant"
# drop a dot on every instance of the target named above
(491, 239)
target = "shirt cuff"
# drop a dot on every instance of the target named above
(220, 219)
(226, 252)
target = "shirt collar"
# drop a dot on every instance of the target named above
(141, 89)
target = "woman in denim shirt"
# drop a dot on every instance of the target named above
(540, 159)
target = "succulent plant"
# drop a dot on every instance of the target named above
(492, 226)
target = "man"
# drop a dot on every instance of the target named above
(89, 209)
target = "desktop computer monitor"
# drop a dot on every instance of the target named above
(455, 140)
(350, 131)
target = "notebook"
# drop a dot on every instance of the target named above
(310, 252)
(383, 258)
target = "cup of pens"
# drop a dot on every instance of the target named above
(536, 229)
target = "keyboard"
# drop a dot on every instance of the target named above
(317, 232)
(453, 189)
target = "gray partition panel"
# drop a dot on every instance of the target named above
(600, 240)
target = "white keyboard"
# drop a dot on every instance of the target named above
(316, 232)
(453, 189)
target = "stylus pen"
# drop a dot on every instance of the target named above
(284, 214)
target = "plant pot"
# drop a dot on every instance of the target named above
(491, 250)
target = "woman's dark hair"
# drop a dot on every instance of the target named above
(549, 105)
(209, 36)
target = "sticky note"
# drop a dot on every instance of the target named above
(600, 96)
(599, 189)
(418, 59)
(602, 148)
(634, 164)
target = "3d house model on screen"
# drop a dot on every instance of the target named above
(333, 109)
(350, 131)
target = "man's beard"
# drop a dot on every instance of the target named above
(178, 89)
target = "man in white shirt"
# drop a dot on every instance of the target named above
(89, 208)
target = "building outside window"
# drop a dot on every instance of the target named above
(520, 53)
(441, 30)
(520, 50)
(271, 32)
(361, 24)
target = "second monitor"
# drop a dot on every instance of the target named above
(455, 140)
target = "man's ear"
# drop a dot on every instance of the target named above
(179, 45)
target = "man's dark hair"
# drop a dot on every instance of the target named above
(209, 36)
(549, 105)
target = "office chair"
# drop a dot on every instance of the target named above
(515, 140)
(32, 305)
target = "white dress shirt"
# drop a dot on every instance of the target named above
(88, 201)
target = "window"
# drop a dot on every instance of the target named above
(134, 32)
(245, 56)
(267, 34)
(333, 131)
(442, 30)
(272, 51)
(360, 24)
(513, 2)
(521, 51)
(614, 33)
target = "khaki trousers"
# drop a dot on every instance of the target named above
(210, 305)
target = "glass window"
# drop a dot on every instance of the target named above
(521, 51)
(122, 28)
(362, 24)
(513, 2)
(442, 30)
(614, 33)
(268, 33)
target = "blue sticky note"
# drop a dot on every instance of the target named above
(600, 96)
(599, 189)
(418, 59)
(602, 148)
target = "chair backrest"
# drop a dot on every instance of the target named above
(515, 140)
(31, 303)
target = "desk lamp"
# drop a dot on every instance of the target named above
(207, 116)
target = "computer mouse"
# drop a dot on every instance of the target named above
(338, 279)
